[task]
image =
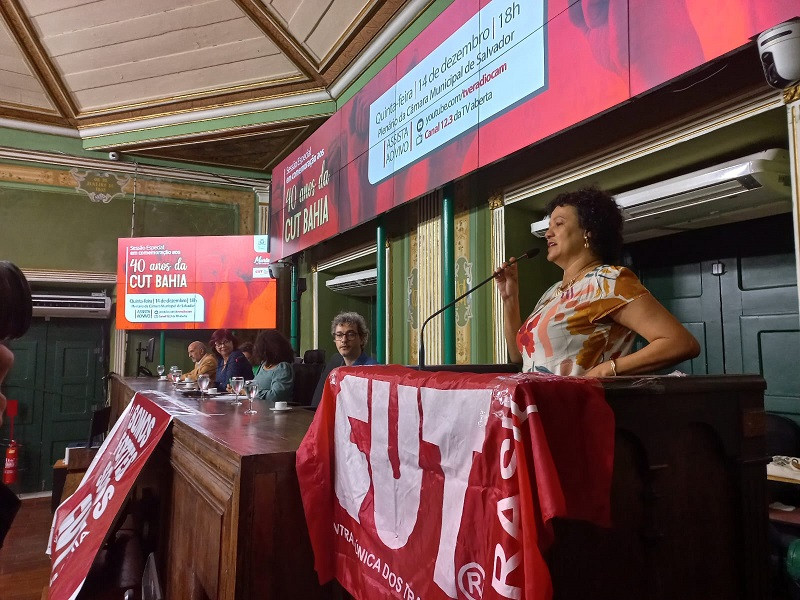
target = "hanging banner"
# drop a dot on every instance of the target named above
(485, 79)
(420, 485)
(206, 282)
(84, 519)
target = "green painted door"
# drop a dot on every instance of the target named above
(692, 294)
(25, 383)
(743, 311)
(57, 378)
(762, 330)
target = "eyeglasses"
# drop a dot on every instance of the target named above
(222, 343)
(350, 335)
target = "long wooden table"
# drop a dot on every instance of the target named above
(688, 499)
(232, 520)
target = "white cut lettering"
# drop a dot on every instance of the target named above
(396, 500)
(506, 566)
(454, 421)
(352, 473)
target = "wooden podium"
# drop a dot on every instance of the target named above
(689, 503)
(231, 521)
(688, 500)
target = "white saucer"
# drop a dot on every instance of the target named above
(282, 409)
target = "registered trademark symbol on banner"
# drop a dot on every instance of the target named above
(470, 580)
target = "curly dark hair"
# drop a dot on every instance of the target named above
(16, 307)
(600, 216)
(272, 348)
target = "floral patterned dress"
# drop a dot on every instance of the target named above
(568, 332)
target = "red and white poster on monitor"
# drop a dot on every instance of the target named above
(204, 282)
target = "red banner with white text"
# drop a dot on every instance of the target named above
(84, 519)
(483, 80)
(442, 485)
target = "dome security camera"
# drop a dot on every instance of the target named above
(779, 49)
(113, 156)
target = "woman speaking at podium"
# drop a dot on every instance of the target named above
(585, 324)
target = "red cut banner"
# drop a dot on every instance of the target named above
(443, 485)
(84, 519)
(195, 283)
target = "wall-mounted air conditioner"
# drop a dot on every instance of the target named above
(361, 283)
(96, 305)
(758, 185)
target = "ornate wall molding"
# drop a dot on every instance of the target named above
(791, 94)
(495, 201)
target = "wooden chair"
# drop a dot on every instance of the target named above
(99, 425)
(306, 376)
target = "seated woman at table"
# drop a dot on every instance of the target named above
(230, 361)
(275, 355)
(586, 323)
(246, 348)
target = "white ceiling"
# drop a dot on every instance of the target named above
(122, 66)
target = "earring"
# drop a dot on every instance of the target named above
(585, 240)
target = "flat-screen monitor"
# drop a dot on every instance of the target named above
(205, 282)
(151, 349)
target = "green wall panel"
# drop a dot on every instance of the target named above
(63, 230)
(332, 303)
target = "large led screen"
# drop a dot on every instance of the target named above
(483, 80)
(204, 282)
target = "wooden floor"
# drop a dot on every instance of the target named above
(24, 566)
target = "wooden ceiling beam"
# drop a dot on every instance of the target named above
(281, 38)
(360, 37)
(43, 68)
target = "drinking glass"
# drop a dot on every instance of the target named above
(237, 383)
(203, 381)
(176, 376)
(160, 369)
(252, 393)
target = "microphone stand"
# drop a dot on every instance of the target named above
(421, 362)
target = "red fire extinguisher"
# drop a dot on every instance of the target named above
(11, 469)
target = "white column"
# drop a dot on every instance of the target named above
(792, 97)
(498, 256)
(429, 262)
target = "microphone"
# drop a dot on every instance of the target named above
(421, 363)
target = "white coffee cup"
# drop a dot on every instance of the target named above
(281, 405)
(211, 391)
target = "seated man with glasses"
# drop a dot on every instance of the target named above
(350, 333)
